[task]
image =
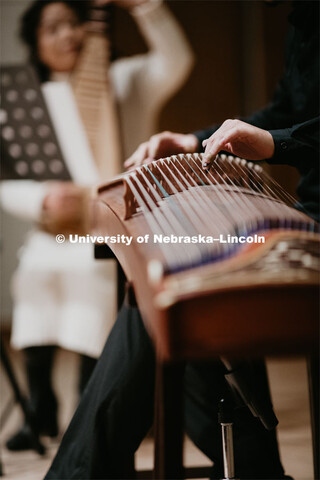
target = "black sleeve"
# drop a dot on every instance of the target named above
(297, 144)
(276, 115)
(291, 141)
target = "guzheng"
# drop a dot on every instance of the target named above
(210, 250)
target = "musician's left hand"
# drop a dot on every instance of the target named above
(162, 145)
(127, 4)
(240, 139)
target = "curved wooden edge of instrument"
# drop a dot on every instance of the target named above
(118, 181)
(195, 316)
(232, 311)
(118, 194)
(241, 322)
(236, 272)
(106, 222)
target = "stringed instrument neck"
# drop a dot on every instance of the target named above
(94, 94)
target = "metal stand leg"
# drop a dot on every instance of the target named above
(226, 422)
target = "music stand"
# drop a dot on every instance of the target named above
(29, 145)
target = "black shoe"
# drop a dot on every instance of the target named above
(22, 440)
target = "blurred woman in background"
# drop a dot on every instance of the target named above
(62, 297)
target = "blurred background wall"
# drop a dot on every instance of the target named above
(239, 58)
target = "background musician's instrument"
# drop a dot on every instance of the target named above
(184, 289)
(94, 96)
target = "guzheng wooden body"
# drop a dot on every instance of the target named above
(198, 298)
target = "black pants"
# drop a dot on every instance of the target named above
(116, 412)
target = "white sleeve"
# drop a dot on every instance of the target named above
(23, 198)
(170, 58)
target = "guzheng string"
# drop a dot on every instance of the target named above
(198, 197)
(159, 199)
(201, 197)
(155, 220)
(248, 205)
(286, 196)
(192, 226)
(234, 197)
(172, 218)
(187, 227)
(240, 197)
(280, 193)
(219, 193)
(244, 227)
(266, 180)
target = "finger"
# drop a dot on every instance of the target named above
(209, 141)
(146, 161)
(215, 144)
(132, 159)
(138, 156)
(155, 144)
(128, 163)
(210, 153)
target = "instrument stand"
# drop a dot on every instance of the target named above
(249, 383)
(21, 400)
(225, 418)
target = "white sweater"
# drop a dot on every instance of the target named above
(61, 295)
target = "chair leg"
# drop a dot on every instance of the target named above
(313, 377)
(169, 421)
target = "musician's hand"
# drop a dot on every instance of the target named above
(240, 139)
(162, 145)
(63, 208)
(127, 4)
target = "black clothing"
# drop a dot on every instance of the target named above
(116, 412)
(42, 400)
(292, 117)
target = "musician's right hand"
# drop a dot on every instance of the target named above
(64, 208)
(162, 145)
